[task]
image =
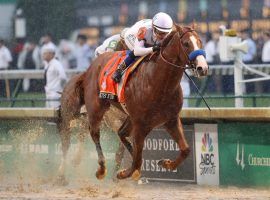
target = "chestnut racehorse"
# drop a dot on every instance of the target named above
(153, 97)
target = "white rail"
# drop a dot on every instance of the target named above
(214, 70)
(30, 74)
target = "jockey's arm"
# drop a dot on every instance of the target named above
(99, 50)
(140, 50)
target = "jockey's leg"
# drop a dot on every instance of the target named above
(124, 65)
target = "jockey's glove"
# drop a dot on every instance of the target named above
(156, 47)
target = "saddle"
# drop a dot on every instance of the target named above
(108, 88)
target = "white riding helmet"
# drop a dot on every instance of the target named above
(123, 32)
(163, 22)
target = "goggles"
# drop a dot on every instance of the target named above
(160, 33)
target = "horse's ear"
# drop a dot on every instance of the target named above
(177, 27)
(194, 25)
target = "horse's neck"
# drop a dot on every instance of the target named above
(171, 53)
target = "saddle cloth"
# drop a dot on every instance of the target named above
(108, 88)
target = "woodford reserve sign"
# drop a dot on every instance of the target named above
(159, 145)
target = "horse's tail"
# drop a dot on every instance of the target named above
(79, 89)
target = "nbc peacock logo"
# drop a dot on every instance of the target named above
(207, 164)
(207, 143)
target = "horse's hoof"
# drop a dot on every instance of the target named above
(122, 174)
(164, 162)
(60, 181)
(136, 175)
(100, 174)
(160, 163)
(167, 164)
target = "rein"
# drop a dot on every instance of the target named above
(192, 56)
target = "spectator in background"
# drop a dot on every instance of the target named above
(55, 76)
(47, 39)
(15, 52)
(266, 48)
(212, 57)
(186, 89)
(210, 49)
(5, 59)
(82, 53)
(66, 54)
(29, 58)
(266, 58)
(5, 56)
(259, 46)
(250, 56)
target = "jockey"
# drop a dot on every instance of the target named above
(143, 38)
(110, 44)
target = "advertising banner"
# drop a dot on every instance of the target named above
(159, 145)
(244, 150)
(207, 158)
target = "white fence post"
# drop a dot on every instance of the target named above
(238, 77)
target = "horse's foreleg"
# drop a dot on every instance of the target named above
(175, 129)
(135, 169)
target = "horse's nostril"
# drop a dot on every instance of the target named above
(199, 68)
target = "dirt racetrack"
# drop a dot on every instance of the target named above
(127, 189)
(29, 175)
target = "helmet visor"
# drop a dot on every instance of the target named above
(167, 30)
(160, 33)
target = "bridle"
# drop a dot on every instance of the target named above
(189, 57)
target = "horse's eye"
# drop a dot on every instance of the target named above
(186, 44)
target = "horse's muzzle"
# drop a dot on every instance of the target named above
(202, 71)
(201, 66)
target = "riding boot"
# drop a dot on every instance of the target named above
(118, 73)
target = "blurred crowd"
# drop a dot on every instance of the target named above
(258, 50)
(28, 55)
(79, 54)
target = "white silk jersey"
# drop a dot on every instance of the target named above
(140, 38)
(109, 45)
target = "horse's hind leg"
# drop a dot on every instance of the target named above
(139, 133)
(65, 134)
(124, 132)
(69, 110)
(175, 129)
(96, 110)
